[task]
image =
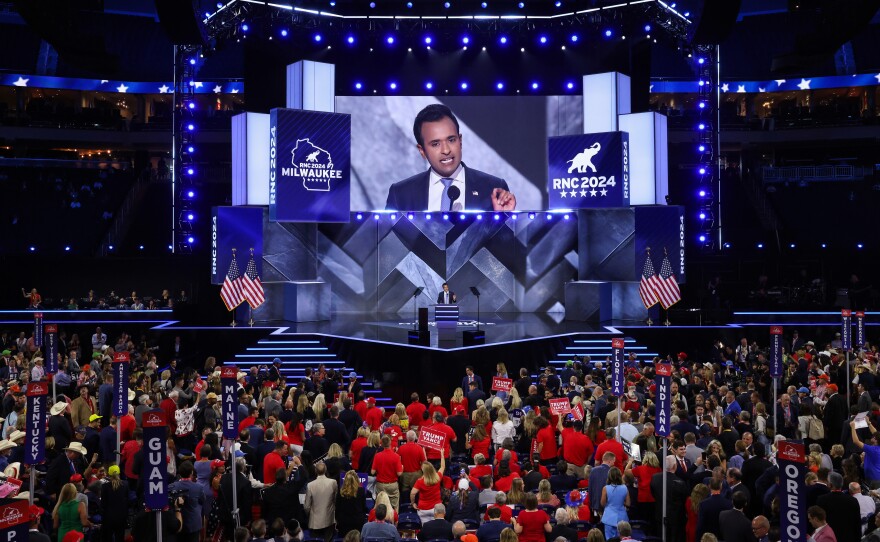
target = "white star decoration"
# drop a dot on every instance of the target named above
(163, 89)
(217, 89)
(603, 192)
(573, 193)
(583, 193)
(740, 88)
(593, 193)
(761, 89)
(877, 77)
(234, 91)
(562, 193)
(779, 82)
(725, 87)
(122, 88)
(104, 81)
(198, 84)
(804, 84)
(22, 82)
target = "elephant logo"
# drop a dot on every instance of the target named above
(584, 160)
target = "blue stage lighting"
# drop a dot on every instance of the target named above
(409, 5)
(480, 217)
(429, 85)
(860, 246)
(67, 249)
(647, 28)
(190, 149)
(702, 105)
(358, 86)
(372, 5)
(702, 193)
(192, 61)
(702, 238)
(608, 33)
(499, 85)
(532, 216)
(445, 216)
(392, 85)
(245, 27)
(702, 171)
(702, 216)
(110, 247)
(701, 60)
(701, 83)
(484, 5)
(701, 126)
(497, 216)
(191, 194)
(190, 127)
(760, 245)
(283, 32)
(465, 40)
(502, 40)
(701, 148)
(464, 85)
(522, 5)
(514, 216)
(390, 40)
(428, 40)
(350, 40)
(535, 85)
(549, 216)
(191, 105)
(219, 5)
(393, 216)
(574, 38)
(190, 171)
(792, 245)
(558, 3)
(190, 239)
(565, 217)
(569, 85)
(190, 216)
(461, 216)
(318, 37)
(447, 5)
(687, 13)
(726, 245)
(376, 217)
(428, 216)
(824, 245)
(359, 216)
(410, 216)
(34, 249)
(543, 39)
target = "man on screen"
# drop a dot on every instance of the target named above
(449, 185)
(446, 296)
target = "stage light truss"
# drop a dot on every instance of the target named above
(185, 127)
(705, 58)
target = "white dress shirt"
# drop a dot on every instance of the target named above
(437, 192)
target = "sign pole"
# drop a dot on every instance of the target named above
(663, 409)
(663, 524)
(229, 388)
(846, 343)
(617, 376)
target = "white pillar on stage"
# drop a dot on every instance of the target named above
(606, 97)
(311, 86)
(649, 157)
(250, 159)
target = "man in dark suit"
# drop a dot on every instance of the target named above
(836, 413)
(752, 469)
(474, 394)
(735, 526)
(437, 528)
(677, 492)
(335, 431)
(711, 509)
(842, 510)
(787, 417)
(470, 376)
(438, 139)
(446, 296)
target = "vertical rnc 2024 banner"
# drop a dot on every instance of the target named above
(309, 166)
(35, 426)
(775, 351)
(588, 171)
(617, 384)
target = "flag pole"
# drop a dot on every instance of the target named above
(233, 309)
(649, 322)
(667, 323)
(250, 307)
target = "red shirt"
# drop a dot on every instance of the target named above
(361, 408)
(478, 472)
(387, 465)
(547, 437)
(643, 474)
(415, 411)
(450, 437)
(247, 422)
(434, 408)
(506, 513)
(611, 445)
(411, 455)
(532, 523)
(503, 484)
(374, 418)
(577, 448)
(295, 434)
(428, 495)
(513, 457)
(356, 447)
(480, 447)
(271, 463)
(168, 406)
(127, 425)
(128, 451)
(395, 433)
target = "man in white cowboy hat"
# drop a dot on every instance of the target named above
(17, 438)
(72, 461)
(6, 447)
(59, 425)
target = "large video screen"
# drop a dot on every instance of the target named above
(505, 136)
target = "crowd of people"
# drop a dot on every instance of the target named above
(110, 301)
(316, 460)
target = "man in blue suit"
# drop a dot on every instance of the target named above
(710, 510)
(438, 139)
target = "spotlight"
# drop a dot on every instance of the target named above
(824, 245)
(410, 216)
(464, 85)
(484, 5)
(647, 28)
(372, 5)
(140, 247)
(392, 85)
(702, 216)
(558, 4)
(702, 171)
(480, 217)
(726, 245)
(701, 126)
(521, 5)
(445, 216)
(192, 61)
(191, 194)
(502, 40)
(318, 37)
(549, 216)
(34, 249)
(608, 33)
(461, 216)
(350, 40)
(791, 245)
(514, 216)
(484, 47)
(465, 40)
(409, 49)
(190, 149)
(574, 38)
(409, 5)
(192, 105)
(284, 33)
(535, 85)
(701, 60)
(499, 86)
(760, 245)
(701, 148)
(702, 105)
(532, 216)
(245, 27)
(543, 39)
(497, 216)
(522, 49)
(375, 217)
(190, 127)
(358, 86)
(190, 239)
(565, 216)
(390, 40)
(447, 5)
(190, 216)
(860, 246)
(110, 247)
(702, 238)
(393, 216)
(702, 193)
(428, 216)
(428, 40)
(429, 85)
(190, 171)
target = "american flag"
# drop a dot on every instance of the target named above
(667, 286)
(648, 284)
(231, 292)
(251, 286)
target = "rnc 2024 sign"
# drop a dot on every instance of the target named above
(309, 166)
(588, 171)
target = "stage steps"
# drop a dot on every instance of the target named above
(598, 347)
(298, 352)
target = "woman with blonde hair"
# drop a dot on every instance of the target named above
(760, 424)
(402, 417)
(546, 495)
(383, 498)
(517, 493)
(340, 402)
(515, 399)
(427, 490)
(351, 504)
(69, 513)
(595, 535)
(481, 417)
(319, 405)
(458, 401)
(509, 535)
(692, 509)
(357, 445)
(714, 448)
(502, 428)
(336, 461)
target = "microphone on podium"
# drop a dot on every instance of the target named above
(452, 193)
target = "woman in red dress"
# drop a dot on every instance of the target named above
(692, 507)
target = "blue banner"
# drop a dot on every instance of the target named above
(35, 426)
(792, 491)
(860, 329)
(663, 405)
(773, 85)
(660, 227)
(38, 329)
(309, 166)
(120, 383)
(588, 171)
(229, 400)
(776, 351)
(155, 469)
(51, 361)
(235, 227)
(846, 329)
(22, 80)
(618, 382)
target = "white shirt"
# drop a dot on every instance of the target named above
(437, 192)
(867, 507)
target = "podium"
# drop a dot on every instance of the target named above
(446, 320)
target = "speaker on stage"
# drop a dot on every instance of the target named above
(423, 319)
(419, 337)
(473, 337)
